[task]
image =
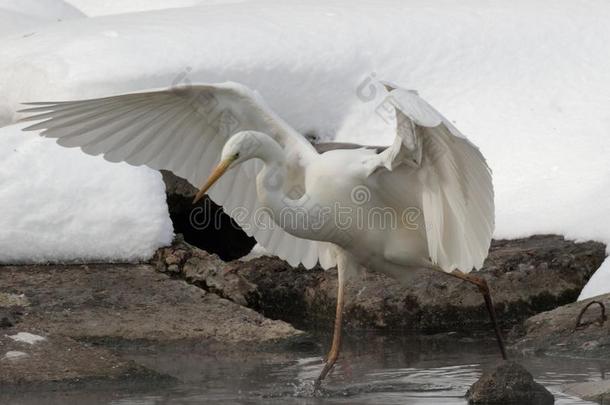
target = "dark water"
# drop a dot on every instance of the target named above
(372, 370)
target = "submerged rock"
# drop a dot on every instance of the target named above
(508, 383)
(61, 362)
(556, 332)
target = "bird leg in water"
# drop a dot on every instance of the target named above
(333, 354)
(481, 284)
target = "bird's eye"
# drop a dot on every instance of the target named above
(236, 155)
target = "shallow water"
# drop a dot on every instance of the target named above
(373, 370)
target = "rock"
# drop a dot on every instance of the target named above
(61, 361)
(508, 383)
(204, 224)
(9, 316)
(526, 276)
(9, 300)
(598, 391)
(555, 333)
(126, 302)
(11, 308)
(204, 270)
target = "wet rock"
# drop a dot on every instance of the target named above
(204, 270)
(122, 302)
(526, 276)
(598, 391)
(508, 383)
(556, 333)
(61, 361)
(204, 224)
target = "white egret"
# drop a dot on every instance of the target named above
(426, 201)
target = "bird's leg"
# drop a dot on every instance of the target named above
(481, 284)
(333, 354)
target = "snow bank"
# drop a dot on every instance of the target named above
(599, 283)
(529, 81)
(19, 16)
(97, 7)
(59, 204)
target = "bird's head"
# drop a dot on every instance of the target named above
(239, 148)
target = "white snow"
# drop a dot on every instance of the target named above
(599, 283)
(21, 16)
(61, 205)
(527, 81)
(14, 355)
(97, 7)
(26, 337)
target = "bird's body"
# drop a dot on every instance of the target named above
(383, 231)
(426, 201)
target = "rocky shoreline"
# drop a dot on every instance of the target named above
(186, 294)
(81, 311)
(526, 276)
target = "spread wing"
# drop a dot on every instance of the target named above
(183, 130)
(455, 181)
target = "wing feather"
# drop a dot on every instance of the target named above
(457, 191)
(183, 130)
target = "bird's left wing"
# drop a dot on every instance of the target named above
(455, 181)
(183, 130)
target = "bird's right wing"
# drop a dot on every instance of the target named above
(183, 130)
(454, 179)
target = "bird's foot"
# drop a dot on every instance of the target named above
(329, 363)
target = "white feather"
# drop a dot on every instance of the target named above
(181, 130)
(454, 179)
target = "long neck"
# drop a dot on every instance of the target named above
(278, 192)
(271, 181)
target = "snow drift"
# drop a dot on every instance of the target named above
(60, 205)
(19, 16)
(96, 7)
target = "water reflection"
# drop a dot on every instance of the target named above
(373, 370)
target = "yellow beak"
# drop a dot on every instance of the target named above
(216, 174)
